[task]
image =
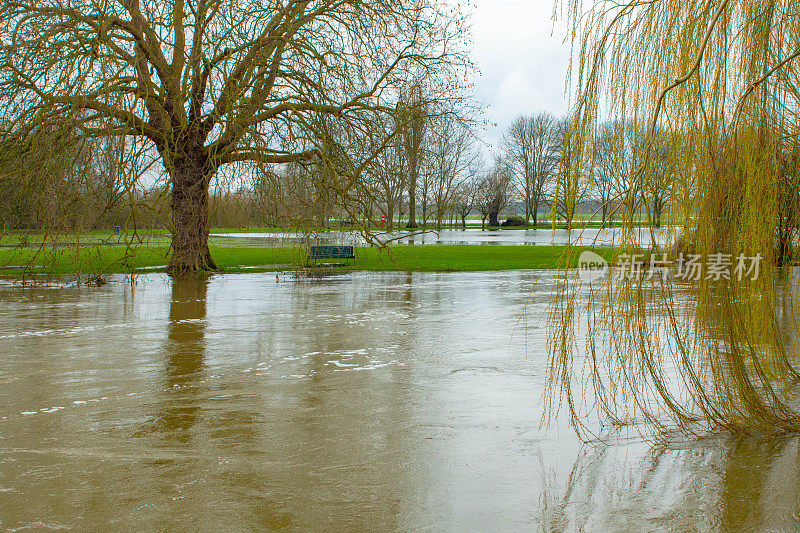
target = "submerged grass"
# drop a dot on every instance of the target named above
(94, 260)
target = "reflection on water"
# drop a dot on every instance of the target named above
(721, 484)
(363, 401)
(184, 357)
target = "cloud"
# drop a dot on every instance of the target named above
(522, 59)
(517, 94)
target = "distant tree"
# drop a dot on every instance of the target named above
(452, 159)
(464, 199)
(389, 180)
(493, 193)
(413, 113)
(648, 153)
(570, 184)
(660, 183)
(531, 149)
(425, 184)
(612, 167)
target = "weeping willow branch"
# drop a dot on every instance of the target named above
(705, 105)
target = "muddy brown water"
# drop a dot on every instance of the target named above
(355, 402)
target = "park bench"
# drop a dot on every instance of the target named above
(331, 252)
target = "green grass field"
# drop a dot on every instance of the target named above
(99, 260)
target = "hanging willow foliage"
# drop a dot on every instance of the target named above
(717, 83)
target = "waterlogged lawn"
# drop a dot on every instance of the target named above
(440, 258)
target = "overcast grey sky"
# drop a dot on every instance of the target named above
(522, 60)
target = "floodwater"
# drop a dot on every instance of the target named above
(529, 237)
(354, 402)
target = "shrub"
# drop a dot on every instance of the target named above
(514, 221)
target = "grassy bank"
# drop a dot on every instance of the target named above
(464, 258)
(94, 260)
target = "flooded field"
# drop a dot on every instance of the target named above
(356, 402)
(529, 237)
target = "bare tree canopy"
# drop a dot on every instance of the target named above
(571, 181)
(452, 158)
(612, 168)
(213, 82)
(466, 196)
(413, 113)
(531, 149)
(493, 192)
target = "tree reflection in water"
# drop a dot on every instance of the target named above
(185, 356)
(720, 483)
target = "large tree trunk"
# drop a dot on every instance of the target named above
(190, 181)
(493, 219)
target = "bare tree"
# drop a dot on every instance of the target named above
(465, 198)
(648, 151)
(413, 113)
(208, 83)
(570, 184)
(493, 193)
(385, 173)
(452, 159)
(389, 181)
(611, 171)
(659, 185)
(531, 150)
(425, 182)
